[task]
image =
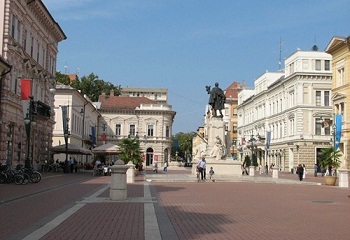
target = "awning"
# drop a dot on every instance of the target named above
(107, 148)
(71, 149)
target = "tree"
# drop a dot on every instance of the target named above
(330, 159)
(62, 78)
(130, 150)
(182, 144)
(90, 85)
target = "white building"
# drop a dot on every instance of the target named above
(290, 107)
(82, 121)
(139, 117)
(159, 95)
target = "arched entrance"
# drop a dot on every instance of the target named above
(149, 156)
(166, 155)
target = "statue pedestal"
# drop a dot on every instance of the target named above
(226, 167)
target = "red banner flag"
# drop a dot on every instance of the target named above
(26, 85)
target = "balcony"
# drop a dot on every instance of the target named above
(42, 110)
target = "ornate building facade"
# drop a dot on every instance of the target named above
(280, 121)
(137, 117)
(339, 48)
(29, 43)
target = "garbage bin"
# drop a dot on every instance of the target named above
(292, 170)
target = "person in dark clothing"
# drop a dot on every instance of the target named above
(300, 172)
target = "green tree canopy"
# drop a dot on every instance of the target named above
(90, 85)
(182, 143)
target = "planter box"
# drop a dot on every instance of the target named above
(330, 180)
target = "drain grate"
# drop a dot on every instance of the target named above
(322, 201)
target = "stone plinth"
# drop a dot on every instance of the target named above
(251, 171)
(226, 167)
(343, 178)
(118, 190)
(130, 173)
(275, 172)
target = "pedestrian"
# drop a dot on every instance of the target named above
(266, 169)
(96, 167)
(155, 166)
(71, 164)
(204, 169)
(244, 168)
(211, 174)
(315, 170)
(300, 172)
(201, 166)
(75, 164)
(165, 169)
(304, 171)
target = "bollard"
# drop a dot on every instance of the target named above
(118, 189)
(130, 173)
(343, 178)
(275, 172)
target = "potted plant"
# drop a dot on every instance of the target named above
(330, 160)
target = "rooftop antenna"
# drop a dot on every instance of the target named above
(280, 57)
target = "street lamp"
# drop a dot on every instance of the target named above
(28, 121)
(66, 135)
(253, 142)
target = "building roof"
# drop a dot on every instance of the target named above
(122, 102)
(232, 91)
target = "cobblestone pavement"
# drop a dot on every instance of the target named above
(77, 206)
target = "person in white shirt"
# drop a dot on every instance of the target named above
(201, 166)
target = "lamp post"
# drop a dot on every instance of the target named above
(28, 121)
(252, 144)
(66, 135)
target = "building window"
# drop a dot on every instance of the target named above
(340, 77)
(150, 130)
(32, 47)
(118, 129)
(13, 26)
(318, 126)
(318, 98)
(132, 130)
(326, 98)
(327, 65)
(318, 65)
(167, 131)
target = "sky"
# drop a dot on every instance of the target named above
(184, 45)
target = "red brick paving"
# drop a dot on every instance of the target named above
(256, 211)
(220, 210)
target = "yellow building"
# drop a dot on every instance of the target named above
(339, 48)
(231, 94)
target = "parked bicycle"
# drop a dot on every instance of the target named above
(9, 175)
(29, 174)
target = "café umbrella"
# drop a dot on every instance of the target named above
(108, 148)
(71, 149)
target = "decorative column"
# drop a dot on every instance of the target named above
(118, 189)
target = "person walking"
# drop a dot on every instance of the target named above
(165, 169)
(204, 169)
(304, 171)
(155, 166)
(201, 166)
(315, 170)
(300, 172)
